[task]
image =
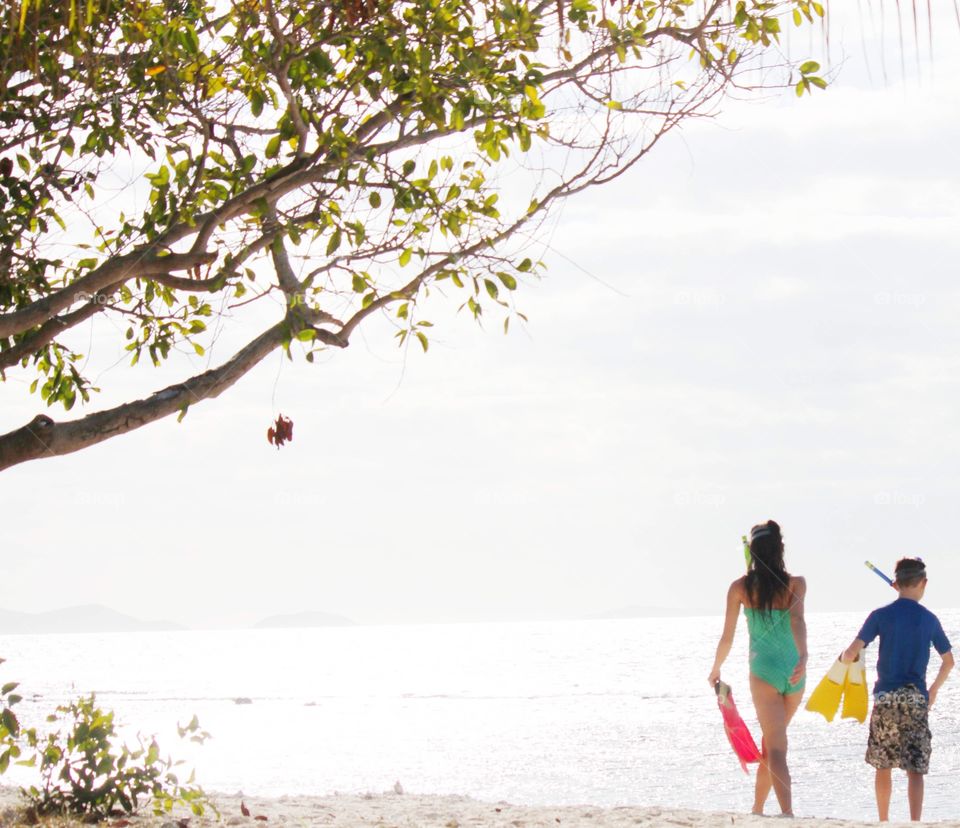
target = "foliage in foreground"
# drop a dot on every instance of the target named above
(168, 165)
(83, 772)
(9, 724)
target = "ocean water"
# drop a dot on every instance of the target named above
(599, 712)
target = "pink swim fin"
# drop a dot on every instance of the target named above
(737, 731)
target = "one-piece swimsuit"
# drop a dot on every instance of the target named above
(773, 651)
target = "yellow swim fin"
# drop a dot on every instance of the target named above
(855, 692)
(826, 696)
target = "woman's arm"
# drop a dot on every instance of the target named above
(798, 624)
(729, 629)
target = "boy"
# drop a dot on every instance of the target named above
(899, 735)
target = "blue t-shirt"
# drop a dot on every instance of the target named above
(906, 631)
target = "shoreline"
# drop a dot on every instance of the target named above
(405, 810)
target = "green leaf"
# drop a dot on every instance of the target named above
(10, 722)
(405, 255)
(334, 244)
(424, 342)
(491, 288)
(809, 67)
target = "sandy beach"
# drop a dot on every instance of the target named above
(407, 811)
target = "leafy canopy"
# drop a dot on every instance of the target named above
(166, 165)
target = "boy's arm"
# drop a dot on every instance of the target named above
(946, 665)
(869, 631)
(850, 654)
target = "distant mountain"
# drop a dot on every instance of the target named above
(304, 619)
(656, 612)
(91, 618)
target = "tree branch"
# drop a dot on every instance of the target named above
(42, 437)
(49, 331)
(112, 272)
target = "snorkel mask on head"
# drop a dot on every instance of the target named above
(757, 532)
(909, 569)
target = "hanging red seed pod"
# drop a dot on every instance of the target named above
(281, 431)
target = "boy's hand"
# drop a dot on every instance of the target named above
(933, 696)
(714, 677)
(849, 655)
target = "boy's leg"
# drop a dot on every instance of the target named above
(882, 785)
(916, 747)
(883, 749)
(915, 795)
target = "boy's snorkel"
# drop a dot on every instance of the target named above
(879, 574)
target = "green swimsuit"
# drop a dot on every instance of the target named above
(773, 652)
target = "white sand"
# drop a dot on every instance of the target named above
(411, 811)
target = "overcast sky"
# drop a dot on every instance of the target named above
(760, 321)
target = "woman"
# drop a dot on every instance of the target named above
(772, 599)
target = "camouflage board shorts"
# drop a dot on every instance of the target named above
(899, 735)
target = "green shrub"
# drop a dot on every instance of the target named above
(83, 772)
(9, 725)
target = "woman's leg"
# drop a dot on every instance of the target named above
(762, 789)
(774, 712)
